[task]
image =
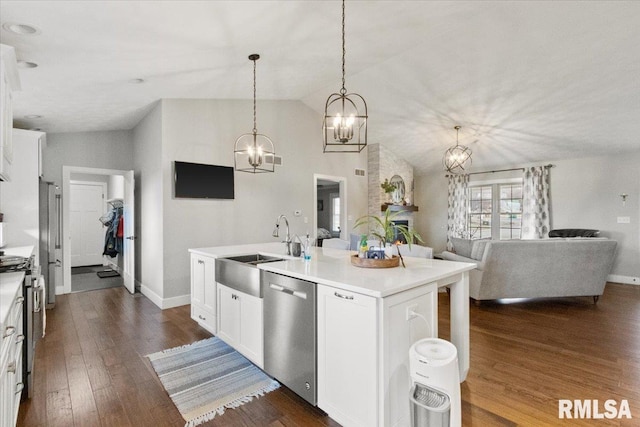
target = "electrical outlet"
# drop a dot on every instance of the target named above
(411, 308)
(306, 220)
(624, 220)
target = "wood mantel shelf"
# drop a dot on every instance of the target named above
(399, 208)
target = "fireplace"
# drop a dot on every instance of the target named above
(397, 236)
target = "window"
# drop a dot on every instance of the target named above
(335, 213)
(510, 211)
(495, 210)
(480, 211)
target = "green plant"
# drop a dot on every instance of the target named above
(387, 186)
(382, 228)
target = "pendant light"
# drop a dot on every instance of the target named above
(254, 152)
(457, 158)
(345, 116)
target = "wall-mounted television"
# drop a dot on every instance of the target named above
(198, 181)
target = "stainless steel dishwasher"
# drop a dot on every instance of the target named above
(290, 333)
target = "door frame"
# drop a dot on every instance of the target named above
(342, 181)
(66, 191)
(104, 199)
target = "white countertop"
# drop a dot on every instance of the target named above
(333, 267)
(23, 251)
(10, 285)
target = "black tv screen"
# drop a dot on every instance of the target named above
(198, 181)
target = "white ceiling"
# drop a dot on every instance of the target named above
(527, 81)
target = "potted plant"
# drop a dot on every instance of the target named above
(383, 228)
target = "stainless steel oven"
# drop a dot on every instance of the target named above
(33, 315)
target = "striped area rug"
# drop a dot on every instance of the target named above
(208, 376)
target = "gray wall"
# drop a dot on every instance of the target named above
(324, 216)
(147, 137)
(204, 131)
(585, 193)
(103, 150)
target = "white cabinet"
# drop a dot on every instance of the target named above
(203, 291)
(347, 356)
(11, 364)
(240, 323)
(9, 82)
(363, 352)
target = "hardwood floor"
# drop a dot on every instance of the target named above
(91, 369)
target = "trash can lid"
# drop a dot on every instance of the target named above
(435, 350)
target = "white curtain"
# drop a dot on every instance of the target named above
(457, 225)
(535, 203)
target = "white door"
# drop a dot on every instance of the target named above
(129, 243)
(87, 232)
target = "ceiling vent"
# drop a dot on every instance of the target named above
(359, 172)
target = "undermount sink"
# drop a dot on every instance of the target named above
(240, 272)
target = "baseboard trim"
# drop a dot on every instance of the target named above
(165, 303)
(627, 280)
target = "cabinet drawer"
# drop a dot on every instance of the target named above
(201, 315)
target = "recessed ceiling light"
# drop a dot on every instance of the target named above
(136, 81)
(33, 116)
(26, 64)
(22, 29)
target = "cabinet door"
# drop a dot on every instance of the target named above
(251, 343)
(347, 356)
(209, 295)
(228, 315)
(197, 279)
(203, 291)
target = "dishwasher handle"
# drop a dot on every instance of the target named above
(288, 291)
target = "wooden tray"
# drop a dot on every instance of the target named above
(375, 263)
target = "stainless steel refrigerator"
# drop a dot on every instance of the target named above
(50, 238)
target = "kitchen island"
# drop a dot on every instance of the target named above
(366, 321)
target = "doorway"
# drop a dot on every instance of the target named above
(94, 200)
(330, 216)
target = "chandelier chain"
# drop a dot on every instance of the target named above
(344, 52)
(255, 127)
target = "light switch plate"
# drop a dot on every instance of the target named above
(624, 220)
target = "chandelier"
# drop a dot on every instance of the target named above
(345, 116)
(456, 158)
(253, 152)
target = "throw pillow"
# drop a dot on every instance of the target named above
(462, 247)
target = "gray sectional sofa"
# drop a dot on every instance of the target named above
(555, 267)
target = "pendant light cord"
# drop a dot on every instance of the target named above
(255, 127)
(344, 52)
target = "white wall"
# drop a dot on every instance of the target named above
(147, 137)
(204, 131)
(584, 194)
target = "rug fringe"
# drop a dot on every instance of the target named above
(273, 385)
(174, 349)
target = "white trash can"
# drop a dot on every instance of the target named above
(435, 392)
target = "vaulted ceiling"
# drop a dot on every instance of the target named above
(527, 81)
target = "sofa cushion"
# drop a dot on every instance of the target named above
(477, 249)
(462, 247)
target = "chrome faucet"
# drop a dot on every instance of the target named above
(276, 230)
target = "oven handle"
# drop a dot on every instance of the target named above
(37, 296)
